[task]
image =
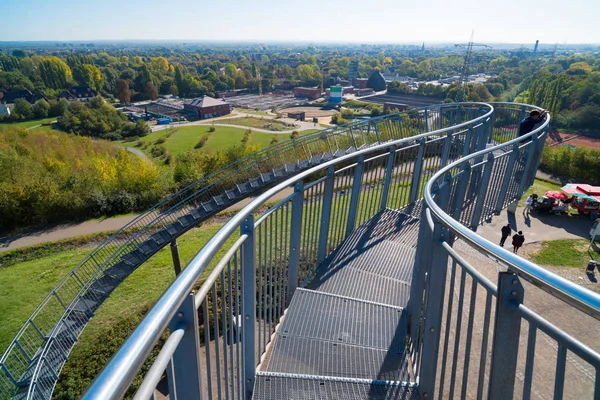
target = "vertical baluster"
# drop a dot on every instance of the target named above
(248, 305)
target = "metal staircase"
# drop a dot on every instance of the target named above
(32, 363)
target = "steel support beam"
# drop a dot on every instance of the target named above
(185, 379)
(416, 177)
(326, 215)
(387, 178)
(248, 273)
(355, 197)
(295, 233)
(505, 344)
(175, 256)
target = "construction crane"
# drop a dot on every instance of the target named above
(464, 73)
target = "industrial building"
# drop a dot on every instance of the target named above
(207, 107)
(309, 93)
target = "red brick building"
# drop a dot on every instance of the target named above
(207, 107)
(310, 93)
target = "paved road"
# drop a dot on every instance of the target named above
(137, 152)
(538, 227)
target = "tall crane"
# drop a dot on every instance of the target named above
(464, 73)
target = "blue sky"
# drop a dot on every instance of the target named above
(389, 21)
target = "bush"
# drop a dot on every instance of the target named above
(158, 151)
(294, 135)
(274, 141)
(160, 140)
(70, 178)
(212, 129)
(581, 164)
(202, 142)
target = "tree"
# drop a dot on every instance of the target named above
(151, 91)
(58, 108)
(55, 73)
(88, 75)
(123, 91)
(23, 108)
(41, 108)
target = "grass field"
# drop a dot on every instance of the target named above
(24, 285)
(185, 138)
(31, 123)
(565, 253)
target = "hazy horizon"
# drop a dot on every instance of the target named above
(349, 21)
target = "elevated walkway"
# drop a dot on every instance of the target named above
(344, 337)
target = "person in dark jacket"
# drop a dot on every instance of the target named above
(506, 231)
(517, 241)
(527, 124)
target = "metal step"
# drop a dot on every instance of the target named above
(267, 177)
(174, 228)
(255, 183)
(243, 187)
(134, 258)
(279, 172)
(209, 206)
(304, 387)
(219, 200)
(104, 285)
(120, 270)
(291, 168)
(232, 194)
(199, 213)
(187, 220)
(88, 303)
(302, 164)
(305, 356)
(149, 247)
(338, 319)
(161, 237)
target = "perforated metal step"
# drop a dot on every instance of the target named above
(360, 284)
(343, 320)
(289, 387)
(305, 356)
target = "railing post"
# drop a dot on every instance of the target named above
(416, 178)
(175, 256)
(505, 344)
(296, 230)
(185, 381)
(483, 188)
(436, 287)
(326, 214)
(461, 190)
(469, 137)
(446, 149)
(355, 197)
(248, 272)
(426, 117)
(529, 164)
(507, 177)
(387, 178)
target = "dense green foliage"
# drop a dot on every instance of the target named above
(51, 177)
(580, 163)
(99, 119)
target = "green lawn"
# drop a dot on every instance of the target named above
(24, 285)
(185, 138)
(33, 122)
(565, 253)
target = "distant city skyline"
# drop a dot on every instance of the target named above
(349, 21)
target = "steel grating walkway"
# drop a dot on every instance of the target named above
(344, 336)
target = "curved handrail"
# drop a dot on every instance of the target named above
(114, 379)
(571, 293)
(169, 208)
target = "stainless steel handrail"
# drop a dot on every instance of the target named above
(114, 380)
(571, 293)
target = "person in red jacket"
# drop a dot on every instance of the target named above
(517, 241)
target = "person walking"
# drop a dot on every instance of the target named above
(517, 241)
(506, 231)
(528, 205)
